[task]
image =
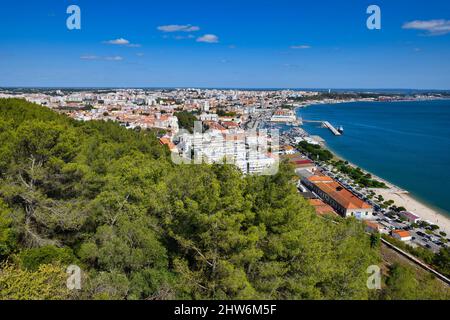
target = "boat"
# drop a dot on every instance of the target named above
(341, 129)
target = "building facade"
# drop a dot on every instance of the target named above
(339, 198)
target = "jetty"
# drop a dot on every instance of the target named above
(325, 124)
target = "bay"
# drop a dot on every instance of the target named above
(406, 143)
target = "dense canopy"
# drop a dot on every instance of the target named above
(110, 200)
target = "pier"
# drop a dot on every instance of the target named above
(326, 124)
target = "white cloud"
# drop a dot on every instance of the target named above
(108, 58)
(122, 42)
(208, 38)
(118, 42)
(433, 27)
(178, 28)
(302, 46)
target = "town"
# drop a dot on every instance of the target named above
(214, 125)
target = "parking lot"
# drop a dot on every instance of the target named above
(389, 219)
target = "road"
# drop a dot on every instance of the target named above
(390, 220)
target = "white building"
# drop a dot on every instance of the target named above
(206, 106)
(209, 117)
(307, 139)
(283, 115)
(401, 235)
(246, 151)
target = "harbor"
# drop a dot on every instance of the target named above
(289, 118)
(336, 131)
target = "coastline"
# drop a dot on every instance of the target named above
(403, 198)
(426, 212)
(400, 196)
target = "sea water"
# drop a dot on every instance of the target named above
(406, 143)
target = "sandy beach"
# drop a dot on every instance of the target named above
(404, 199)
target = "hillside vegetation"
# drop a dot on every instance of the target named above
(110, 201)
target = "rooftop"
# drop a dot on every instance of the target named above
(402, 233)
(340, 194)
(321, 207)
(167, 142)
(372, 224)
(409, 215)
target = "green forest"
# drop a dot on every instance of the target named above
(315, 151)
(109, 200)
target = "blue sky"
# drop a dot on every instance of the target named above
(226, 43)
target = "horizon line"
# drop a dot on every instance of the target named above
(221, 88)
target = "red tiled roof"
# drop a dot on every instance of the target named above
(302, 161)
(402, 233)
(321, 207)
(340, 194)
(167, 142)
(372, 224)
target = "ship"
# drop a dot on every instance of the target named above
(341, 129)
